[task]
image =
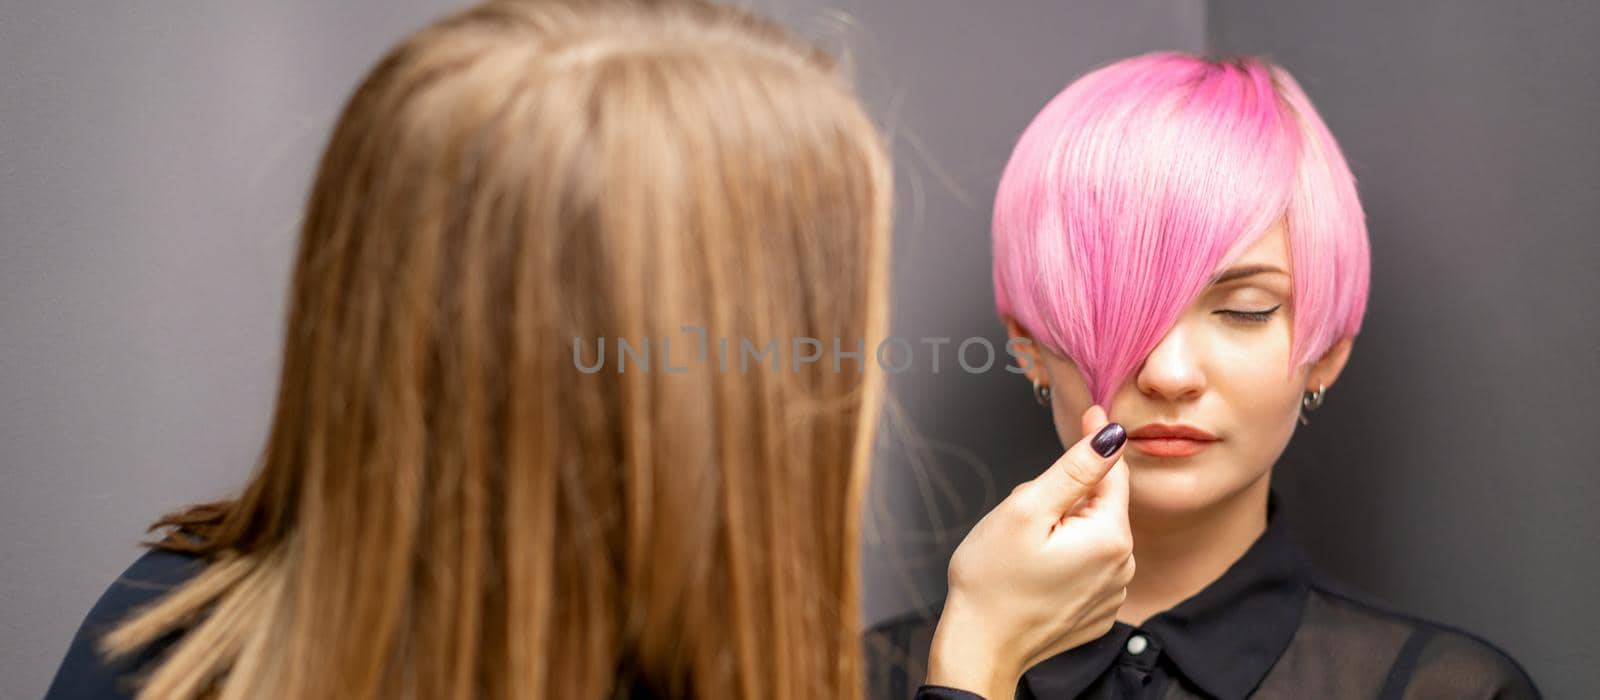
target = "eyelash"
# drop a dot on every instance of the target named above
(1252, 316)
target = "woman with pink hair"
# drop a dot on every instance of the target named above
(1180, 241)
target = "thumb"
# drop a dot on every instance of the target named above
(1076, 473)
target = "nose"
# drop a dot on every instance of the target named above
(1172, 370)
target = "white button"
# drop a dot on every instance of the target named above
(1137, 644)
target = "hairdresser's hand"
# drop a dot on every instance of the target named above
(1045, 571)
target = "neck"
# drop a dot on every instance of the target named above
(1178, 555)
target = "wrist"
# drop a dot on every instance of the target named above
(963, 656)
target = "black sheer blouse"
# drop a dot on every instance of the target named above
(1271, 626)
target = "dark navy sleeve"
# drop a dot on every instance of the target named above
(85, 673)
(939, 692)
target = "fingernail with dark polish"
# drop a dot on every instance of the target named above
(1109, 439)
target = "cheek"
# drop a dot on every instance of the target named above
(1252, 370)
(1274, 408)
(1069, 398)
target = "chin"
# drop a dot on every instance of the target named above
(1169, 489)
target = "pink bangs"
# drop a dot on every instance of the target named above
(1137, 183)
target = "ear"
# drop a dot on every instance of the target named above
(1326, 370)
(1028, 351)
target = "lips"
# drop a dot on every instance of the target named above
(1170, 440)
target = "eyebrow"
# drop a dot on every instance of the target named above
(1243, 271)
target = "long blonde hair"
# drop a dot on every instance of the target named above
(446, 505)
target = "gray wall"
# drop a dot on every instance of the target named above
(154, 156)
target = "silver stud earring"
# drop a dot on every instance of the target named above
(1311, 402)
(1041, 393)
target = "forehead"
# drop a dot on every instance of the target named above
(1270, 248)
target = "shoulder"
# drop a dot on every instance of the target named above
(1427, 658)
(896, 653)
(1452, 662)
(85, 673)
(151, 576)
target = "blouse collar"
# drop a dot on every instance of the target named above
(1223, 639)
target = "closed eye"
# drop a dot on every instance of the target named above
(1251, 316)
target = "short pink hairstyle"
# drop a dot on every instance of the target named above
(1142, 180)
